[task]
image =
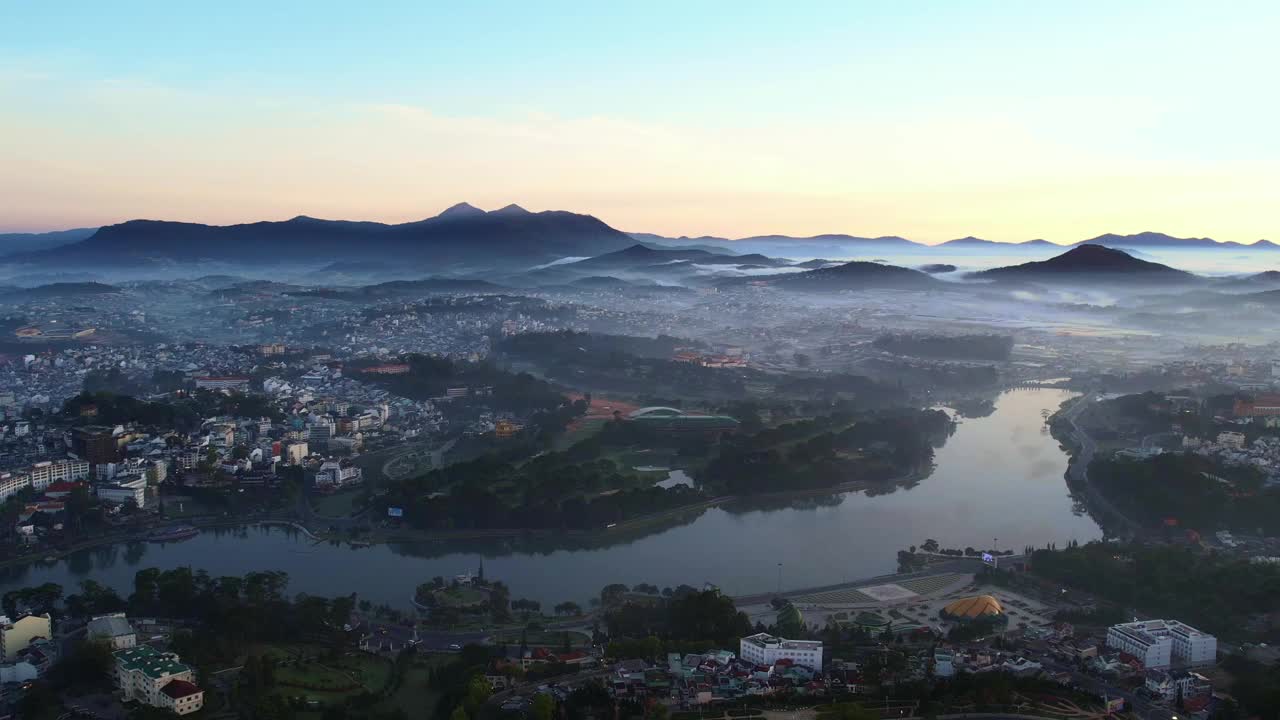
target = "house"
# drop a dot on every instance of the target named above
(114, 629)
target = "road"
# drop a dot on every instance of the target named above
(1079, 469)
(957, 565)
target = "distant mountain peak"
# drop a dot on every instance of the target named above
(462, 209)
(1084, 262)
(1149, 238)
(512, 209)
(969, 240)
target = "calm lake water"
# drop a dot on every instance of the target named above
(999, 476)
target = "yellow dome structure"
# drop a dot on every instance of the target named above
(972, 608)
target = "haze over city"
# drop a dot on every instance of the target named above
(622, 361)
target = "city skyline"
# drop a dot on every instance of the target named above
(931, 122)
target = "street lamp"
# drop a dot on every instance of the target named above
(779, 578)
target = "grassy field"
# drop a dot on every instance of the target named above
(461, 596)
(327, 682)
(339, 504)
(414, 696)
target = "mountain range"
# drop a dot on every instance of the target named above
(461, 235)
(464, 238)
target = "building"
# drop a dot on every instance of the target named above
(672, 420)
(134, 491)
(295, 453)
(766, 649)
(333, 475)
(144, 674)
(229, 382)
(1231, 439)
(388, 369)
(943, 664)
(16, 635)
(1169, 686)
(48, 472)
(973, 608)
(1260, 406)
(181, 697)
(12, 483)
(1158, 644)
(94, 444)
(115, 629)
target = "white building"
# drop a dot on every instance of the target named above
(333, 475)
(1231, 439)
(157, 679)
(120, 493)
(12, 483)
(41, 475)
(1158, 644)
(766, 649)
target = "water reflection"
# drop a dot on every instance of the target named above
(995, 476)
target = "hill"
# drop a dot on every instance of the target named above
(11, 243)
(62, 289)
(1089, 263)
(460, 235)
(851, 276)
(642, 256)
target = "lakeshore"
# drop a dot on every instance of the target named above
(820, 537)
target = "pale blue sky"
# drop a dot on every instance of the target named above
(932, 120)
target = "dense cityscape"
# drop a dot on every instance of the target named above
(711, 361)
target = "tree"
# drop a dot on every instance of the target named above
(459, 713)
(543, 707)
(612, 594)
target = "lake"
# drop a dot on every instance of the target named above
(998, 480)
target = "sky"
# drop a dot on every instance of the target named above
(929, 120)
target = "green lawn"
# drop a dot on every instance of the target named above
(414, 696)
(329, 681)
(461, 596)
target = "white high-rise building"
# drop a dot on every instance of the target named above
(1160, 644)
(766, 649)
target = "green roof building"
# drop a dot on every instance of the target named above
(674, 420)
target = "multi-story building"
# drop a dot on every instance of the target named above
(145, 674)
(16, 635)
(94, 444)
(230, 382)
(295, 453)
(1158, 644)
(48, 472)
(134, 490)
(11, 483)
(766, 649)
(332, 475)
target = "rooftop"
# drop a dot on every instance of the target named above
(150, 661)
(110, 626)
(179, 689)
(765, 640)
